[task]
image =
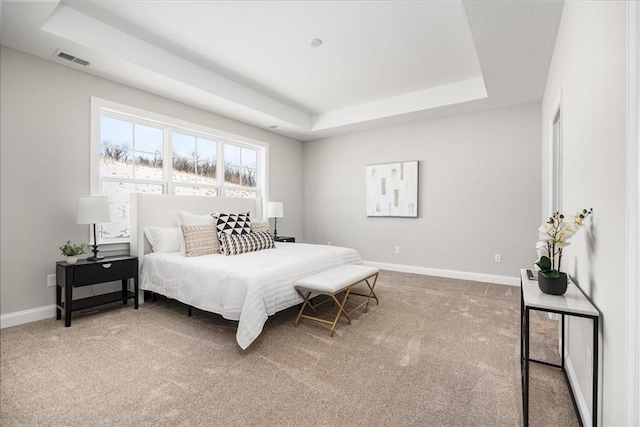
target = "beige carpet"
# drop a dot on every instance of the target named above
(434, 352)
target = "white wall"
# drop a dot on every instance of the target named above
(45, 116)
(479, 192)
(588, 74)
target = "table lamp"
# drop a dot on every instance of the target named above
(93, 210)
(275, 211)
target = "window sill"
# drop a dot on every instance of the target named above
(120, 248)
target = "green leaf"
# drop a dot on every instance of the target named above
(544, 263)
(551, 274)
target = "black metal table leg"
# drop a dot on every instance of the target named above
(525, 412)
(124, 291)
(594, 407)
(562, 341)
(68, 302)
(58, 302)
(136, 291)
(522, 349)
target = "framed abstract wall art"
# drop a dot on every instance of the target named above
(392, 189)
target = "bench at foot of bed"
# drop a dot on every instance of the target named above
(333, 282)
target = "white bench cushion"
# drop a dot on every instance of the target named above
(337, 279)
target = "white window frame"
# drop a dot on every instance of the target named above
(101, 106)
(556, 162)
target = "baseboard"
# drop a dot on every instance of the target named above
(450, 274)
(581, 402)
(49, 311)
(26, 316)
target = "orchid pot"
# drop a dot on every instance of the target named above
(553, 237)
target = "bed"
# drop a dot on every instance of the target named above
(247, 288)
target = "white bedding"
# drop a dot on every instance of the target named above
(247, 287)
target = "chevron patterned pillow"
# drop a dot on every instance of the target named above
(235, 244)
(239, 223)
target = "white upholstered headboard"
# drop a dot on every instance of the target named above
(160, 210)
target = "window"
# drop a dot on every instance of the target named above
(135, 151)
(240, 171)
(195, 165)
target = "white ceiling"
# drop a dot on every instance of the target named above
(381, 62)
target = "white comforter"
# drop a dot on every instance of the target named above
(248, 287)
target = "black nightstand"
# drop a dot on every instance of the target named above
(85, 273)
(287, 239)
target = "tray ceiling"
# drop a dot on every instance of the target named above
(380, 62)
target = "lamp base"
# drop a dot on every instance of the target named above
(95, 251)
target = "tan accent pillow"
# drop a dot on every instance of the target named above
(200, 240)
(257, 227)
(186, 218)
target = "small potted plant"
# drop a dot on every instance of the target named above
(553, 237)
(71, 251)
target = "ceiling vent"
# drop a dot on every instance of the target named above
(69, 57)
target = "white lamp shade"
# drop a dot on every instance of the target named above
(275, 210)
(93, 210)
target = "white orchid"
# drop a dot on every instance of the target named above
(568, 229)
(553, 236)
(578, 218)
(545, 228)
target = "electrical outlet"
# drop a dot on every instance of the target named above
(497, 258)
(397, 249)
(51, 280)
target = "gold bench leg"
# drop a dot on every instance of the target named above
(304, 304)
(369, 295)
(340, 310)
(371, 292)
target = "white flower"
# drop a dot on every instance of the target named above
(545, 228)
(554, 235)
(567, 231)
(545, 237)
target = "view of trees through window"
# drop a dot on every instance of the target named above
(240, 166)
(130, 149)
(195, 160)
(136, 156)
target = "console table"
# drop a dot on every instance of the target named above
(573, 303)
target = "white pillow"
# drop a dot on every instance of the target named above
(186, 218)
(163, 239)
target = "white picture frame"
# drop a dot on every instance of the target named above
(392, 189)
